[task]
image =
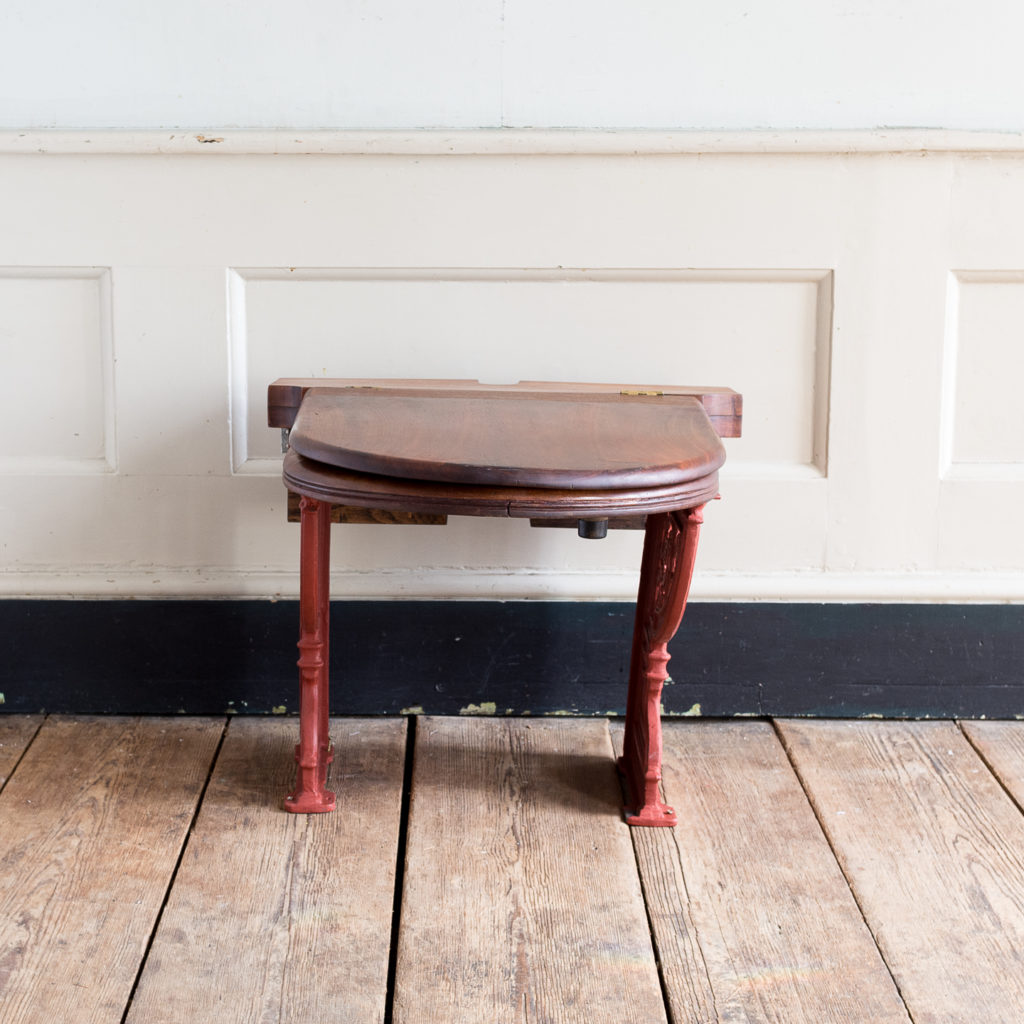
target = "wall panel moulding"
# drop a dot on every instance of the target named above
(55, 330)
(483, 141)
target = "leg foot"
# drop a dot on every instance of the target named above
(310, 801)
(650, 813)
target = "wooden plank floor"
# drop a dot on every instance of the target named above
(477, 872)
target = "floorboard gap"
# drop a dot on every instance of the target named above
(633, 837)
(21, 756)
(174, 873)
(403, 833)
(780, 735)
(991, 768)
(650, 927)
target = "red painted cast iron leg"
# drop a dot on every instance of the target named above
(313, 753)
(670, 547)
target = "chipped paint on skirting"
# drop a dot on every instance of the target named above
(692, 712)
(487, 707)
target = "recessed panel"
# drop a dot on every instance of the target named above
(986, 414)
(763, 333)
(55, 357)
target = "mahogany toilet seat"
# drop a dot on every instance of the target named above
(590, 455)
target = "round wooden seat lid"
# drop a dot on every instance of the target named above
(511, 439)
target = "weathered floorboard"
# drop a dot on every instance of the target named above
(934, 850)
(93, 823)
(1002, 746)
(16, 732)
(752, 918)
(522, 901)
(283, 917)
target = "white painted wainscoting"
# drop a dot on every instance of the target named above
(864, 292)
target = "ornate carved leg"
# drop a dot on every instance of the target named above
(670, 547)
(313, 751)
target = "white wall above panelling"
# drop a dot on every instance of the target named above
(314, 63)
(496, 63)
(865, 303)
(789, 63)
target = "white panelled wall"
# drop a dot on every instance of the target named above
(868, 304)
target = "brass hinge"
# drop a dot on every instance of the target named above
(643, 394)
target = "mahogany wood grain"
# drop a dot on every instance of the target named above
(522, 901)
(350, 488)
(934, 851)
(94, 819)
(723, 405)
(604, 442)
(282, 917)
(369, 516)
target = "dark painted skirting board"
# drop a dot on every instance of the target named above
(208, 657)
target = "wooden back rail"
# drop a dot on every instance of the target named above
(589, 455)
